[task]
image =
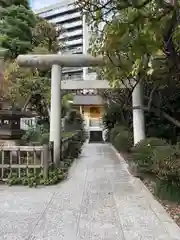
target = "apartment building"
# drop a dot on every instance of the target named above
(75, 35)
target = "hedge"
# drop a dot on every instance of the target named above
(166, 161)
(143, 151)
(123, 141)
(115, 131)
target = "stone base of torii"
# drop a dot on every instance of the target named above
(56, 62)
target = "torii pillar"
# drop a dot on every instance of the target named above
(56, 62)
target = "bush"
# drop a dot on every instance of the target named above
(73, 121)
(166, 160)
(112, 115)
(39, 134)
(167, 190)
(123, 141)
(115, 131)
(143, 151)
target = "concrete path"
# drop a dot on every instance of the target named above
(99, 201)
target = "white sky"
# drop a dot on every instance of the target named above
(36, 4)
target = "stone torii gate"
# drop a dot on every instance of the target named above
(56, 62)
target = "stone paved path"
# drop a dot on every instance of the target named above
(99, 201)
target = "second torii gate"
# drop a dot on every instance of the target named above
(56, 62)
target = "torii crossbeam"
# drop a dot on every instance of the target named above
(56, 62)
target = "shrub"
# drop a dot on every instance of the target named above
(167, 190)
(143, 151)
(166, 162)
(75, 146)
(123, 141)
(38, 134)
(73, 121)
(44, 138)
(115, 131)
(112, 115)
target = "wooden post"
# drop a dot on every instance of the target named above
(45, 160)
(51, 149)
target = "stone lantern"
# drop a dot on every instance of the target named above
(10, 122)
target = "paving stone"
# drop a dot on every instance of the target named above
(100, 200)
(17, 226)
(99, 218)
(59, 224)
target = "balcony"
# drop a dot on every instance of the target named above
(67, 35)
(75, 50)
(58, 10)
(74, 42)
(64, 18)
(71, 25)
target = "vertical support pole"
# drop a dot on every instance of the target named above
(80, 109)
(85, 44)
(138, 114)
(45, 160)
(55, 113)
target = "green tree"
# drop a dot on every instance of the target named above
(45, 37)
(7, 3)
(128, 32)
(141, 40)
(16, 23)
(31, 87)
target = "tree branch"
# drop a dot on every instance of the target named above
(162, 113)
(27, 102)
(151, 97)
